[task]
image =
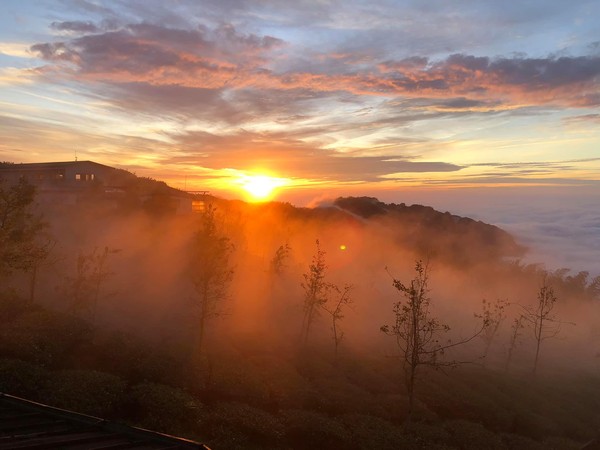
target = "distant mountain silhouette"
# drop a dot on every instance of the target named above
(460, 239)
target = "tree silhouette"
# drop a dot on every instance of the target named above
(515, 334)
(545, 324)
(335, 310)
(418, 334)
(493, 314)
(18, 227)
(85, 288)
(40, 256)
(279, 261)
(316, 291)
(210, 271)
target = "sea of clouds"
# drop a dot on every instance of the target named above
(559, 225)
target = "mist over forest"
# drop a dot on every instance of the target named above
(272, 326)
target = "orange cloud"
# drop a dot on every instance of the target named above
(225, 59)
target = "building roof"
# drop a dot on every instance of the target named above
(49, 165)
(29, 425)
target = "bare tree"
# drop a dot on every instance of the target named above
(515, 334)
(279, 261)
(40, 256)
(417, 332)
(544, 322)
(335, 312)
(493, 314)
(92, 272)
(316, 291)
(19, 227)
(210, 271)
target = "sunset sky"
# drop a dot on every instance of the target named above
(330, 97)
(381, 94)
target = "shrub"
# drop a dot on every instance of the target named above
(308, 429)
(368, 432)
(21, 378)
(235, 380)
(44, 337)
(163, 408)
(472, 436)
(236, 425)
(84, 391)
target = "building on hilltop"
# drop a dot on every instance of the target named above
(74, 181)
(72, 174)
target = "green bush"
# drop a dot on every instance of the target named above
(472, 436)
(163, 408)
(308, 429)
(286, 388)
(368, 432)
(84, 391)
(427, 435)
(22, 378)
(234, 425)
(134, 360)
(44, 337)
(235, 380)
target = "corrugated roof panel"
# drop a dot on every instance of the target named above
(26, 425)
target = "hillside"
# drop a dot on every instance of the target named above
(195, 325)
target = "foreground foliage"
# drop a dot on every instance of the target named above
(303, 400)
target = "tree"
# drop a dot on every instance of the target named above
(210, 271)
(335, 311)
(515, 334)
(18, 227)
(316, 291)
(91, 274)
(42, 249)
(545, 324)
(279, 261)
(418, 334)
(493, 314)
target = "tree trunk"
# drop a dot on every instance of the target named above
(537, 349)
(411, 392)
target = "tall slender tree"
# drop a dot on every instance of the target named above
(211, 272)
(515, 335)
(87, 286)
(280, 259)
(494, 314)
(418, 333)
(544, 322)
(19, 226)
(316, 291)
(335, 309)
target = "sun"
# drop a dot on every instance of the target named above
(260, 187)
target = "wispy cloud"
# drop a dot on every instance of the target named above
(348, 92)
(223, 58)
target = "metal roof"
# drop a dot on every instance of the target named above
(29, 425)
(50, 165)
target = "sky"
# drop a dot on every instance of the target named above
(482, 107)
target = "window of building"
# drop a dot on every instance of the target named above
(78, 176)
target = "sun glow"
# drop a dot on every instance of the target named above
(260, 187)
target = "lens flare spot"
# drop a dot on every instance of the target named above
(343, 247)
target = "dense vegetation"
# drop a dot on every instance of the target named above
(113, 327)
